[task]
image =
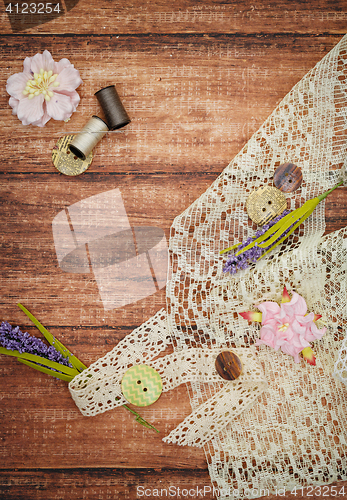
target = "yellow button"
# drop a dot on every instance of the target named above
(264, 204)
(141, 385)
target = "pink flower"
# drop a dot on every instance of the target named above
(287, 327)
(45, 89)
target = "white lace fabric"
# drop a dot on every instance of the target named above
(295, 432)
(295, 435)
(98, 388)
(340, 368)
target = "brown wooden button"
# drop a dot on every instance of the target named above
(264, 204)
(287, 177)
(228, 365)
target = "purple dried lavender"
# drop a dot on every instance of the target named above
(242, 261)
(14, 339)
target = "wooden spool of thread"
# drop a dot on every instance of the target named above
(87, 139)
(115, 114)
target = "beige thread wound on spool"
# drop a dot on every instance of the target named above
(88, 138)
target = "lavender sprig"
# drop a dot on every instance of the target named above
(31, 351)
(236, 263)
(14, 339)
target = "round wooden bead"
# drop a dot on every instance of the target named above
(228, 365)
(141, 385)
(264, 204)
(287, 177)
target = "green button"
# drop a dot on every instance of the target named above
(141, 385)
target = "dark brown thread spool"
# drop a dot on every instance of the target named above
(115, 114)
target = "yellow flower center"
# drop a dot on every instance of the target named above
(283, 327)
(41, 84)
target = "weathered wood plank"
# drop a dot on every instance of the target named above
(42, 427)
(131, 484)
(194, 101)
(88, 16)
(30, 270)
(102, 484)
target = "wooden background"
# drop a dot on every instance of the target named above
(197, 79)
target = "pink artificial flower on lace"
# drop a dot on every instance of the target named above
(287, 326)
(45, 89)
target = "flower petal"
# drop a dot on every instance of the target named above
(285, 296)
(251, 315)
(69, 79)
(14, 105)
(60, 65)
(292, 351)
(30, 110)
(298, 328)
(307, 319)
(59, 107)
(44, 61)
(268, 336)
(309, 356)
(44, 119)
(269, 310)
(313, 333)
(27, 65)
(74, 97)
(16, 84)
(297, 306)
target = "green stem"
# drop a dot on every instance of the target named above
(324, 195)
(229, 249)
(140, 419)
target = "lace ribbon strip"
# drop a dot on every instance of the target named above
(98, 388)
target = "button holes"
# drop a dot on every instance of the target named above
(138, 382)
(290, 180)
(286, 174)
(145, 389)
(264, 209)
(270, 202)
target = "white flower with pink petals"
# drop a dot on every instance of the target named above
(45, 89)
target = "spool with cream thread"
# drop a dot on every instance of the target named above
(115, 114)
(88, 138)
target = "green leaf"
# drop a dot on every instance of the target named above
(62, 376)
(307, 209)
(289, 233)
(39, 359)
(275, 232)
(229, 249)
(55, 342)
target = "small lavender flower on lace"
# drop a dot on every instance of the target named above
(14, 339)
(237, 263)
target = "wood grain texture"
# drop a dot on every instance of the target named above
(197, 80)
(190, 16)
(194, 101)
(125, 484)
